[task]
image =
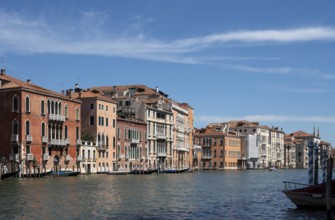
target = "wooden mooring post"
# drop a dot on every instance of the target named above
(330, 163)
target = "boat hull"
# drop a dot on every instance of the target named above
(7, 175)
(174, 171)
(304, 200)
(143, 172)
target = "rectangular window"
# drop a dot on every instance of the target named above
(106, 108)
(77, 133)
(114, 123)
(102, 121)
(92, 106)
(106, 122)
(91, 120)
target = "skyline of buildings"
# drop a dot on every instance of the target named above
(134, 127)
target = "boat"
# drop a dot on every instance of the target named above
(139, 172)
(272, 169)
(307, 196)
(118, 172)
(174, 171)
(7, 175)
(65, 173)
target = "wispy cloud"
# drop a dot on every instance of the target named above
(90, 35)
(267, 118)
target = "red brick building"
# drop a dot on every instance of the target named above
(131, 150)
(40, 128)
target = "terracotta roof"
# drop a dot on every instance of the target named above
(89, 95)
(300, 134)
(9, 82)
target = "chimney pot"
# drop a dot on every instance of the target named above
(28, 80)
(3, 72)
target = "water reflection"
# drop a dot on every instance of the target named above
(201, 195)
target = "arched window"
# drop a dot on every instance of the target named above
(60, 108)
(42, 107)
(15, 106)
(52, 107)
(27, 104)
(43, 129)
(65, 132)
(49, 107)
(107, 140)
(66, 111)
(56, 108)
(27, 128)
(103, 139)
(77, 114)
(15, 127)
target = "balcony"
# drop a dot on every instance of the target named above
(121, 156)
(94, 160)
(45, 157)
(15, 138)
(79, 142)
(161, 154)
(135, 141)
(143, 158)
(79, 158)
(30, 157)
(89, 159)
(68, 158)
(14, 157)
(54, 117)
(127, 157)
(161, 136)
(29, 138)
(184, 149)
(44, 139)
(58, 142)
(206, 157)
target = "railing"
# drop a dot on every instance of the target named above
(79, 142)
(182, 149)
(15, 138)
(161, 136)
(135, 141)
(68, 158)
(206, 157)
(79, 158)
(44, 139)
(59, 142)
(161, 154)
(54, 117)
(30, 157)
(120, 156)
(94, 160)
(143, 158)
(45, 157)
(29, 138)
(13, 157)
(127, 157)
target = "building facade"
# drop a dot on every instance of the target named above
(98, 124)
(131, 151)
(41, 127)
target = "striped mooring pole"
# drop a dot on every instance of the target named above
(310, 162)
(316, 164)
(324, 164)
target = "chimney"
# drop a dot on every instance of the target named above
(3, 72)
(0, 83)
(157, 89)
(63, 92)
(29, 81)
(76, 85)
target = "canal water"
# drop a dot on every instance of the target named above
(200, 195)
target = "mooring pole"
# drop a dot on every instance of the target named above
(330, 163)
(316, 164)
(310, 162)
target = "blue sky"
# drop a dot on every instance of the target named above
(266, 61)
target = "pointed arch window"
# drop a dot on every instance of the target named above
(49, 111)
(27, 128)
(43, 130)
(42, 108)
(66, 111)
(15, 106)
(15, 127)
(27, 104)
(77, 114)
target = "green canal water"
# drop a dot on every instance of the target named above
(200, 195)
